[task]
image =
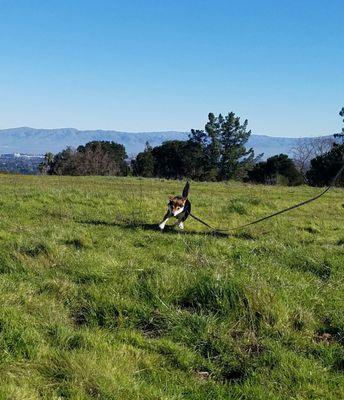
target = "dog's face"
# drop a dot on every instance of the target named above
(176, 205)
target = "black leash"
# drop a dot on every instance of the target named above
(276, 213)
(204, 223)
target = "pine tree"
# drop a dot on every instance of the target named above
(46, 165)
(213, 151)
(234, 157)
(222, 141)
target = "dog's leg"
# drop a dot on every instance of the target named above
(180, 222)
(164, 221)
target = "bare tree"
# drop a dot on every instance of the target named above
(308, 148)
(302, 155)
(322, 145)
(340, 136)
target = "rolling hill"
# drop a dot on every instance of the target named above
(40, 141)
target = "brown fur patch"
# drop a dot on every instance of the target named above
(177, 203)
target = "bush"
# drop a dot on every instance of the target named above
(324, 168)
(276, 170)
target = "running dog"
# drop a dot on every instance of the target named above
(178, 207)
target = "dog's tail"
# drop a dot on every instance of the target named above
(186, 190)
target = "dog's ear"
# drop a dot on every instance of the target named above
(184, 199)
(170, 196)
(186, 190)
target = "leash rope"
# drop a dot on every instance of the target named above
(302, 203)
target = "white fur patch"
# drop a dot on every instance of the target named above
(162, 225)
(178, 211)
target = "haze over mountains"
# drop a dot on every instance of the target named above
(40, 141)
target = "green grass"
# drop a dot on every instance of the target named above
(97, 304)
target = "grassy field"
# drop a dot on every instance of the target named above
(96, 303)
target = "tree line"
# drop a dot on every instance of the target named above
(216, 153)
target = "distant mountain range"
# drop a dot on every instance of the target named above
(40, 141)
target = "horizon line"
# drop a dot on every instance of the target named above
(157, 131)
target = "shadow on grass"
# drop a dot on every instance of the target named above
(169, 229)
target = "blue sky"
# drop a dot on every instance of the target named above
(163, 65)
